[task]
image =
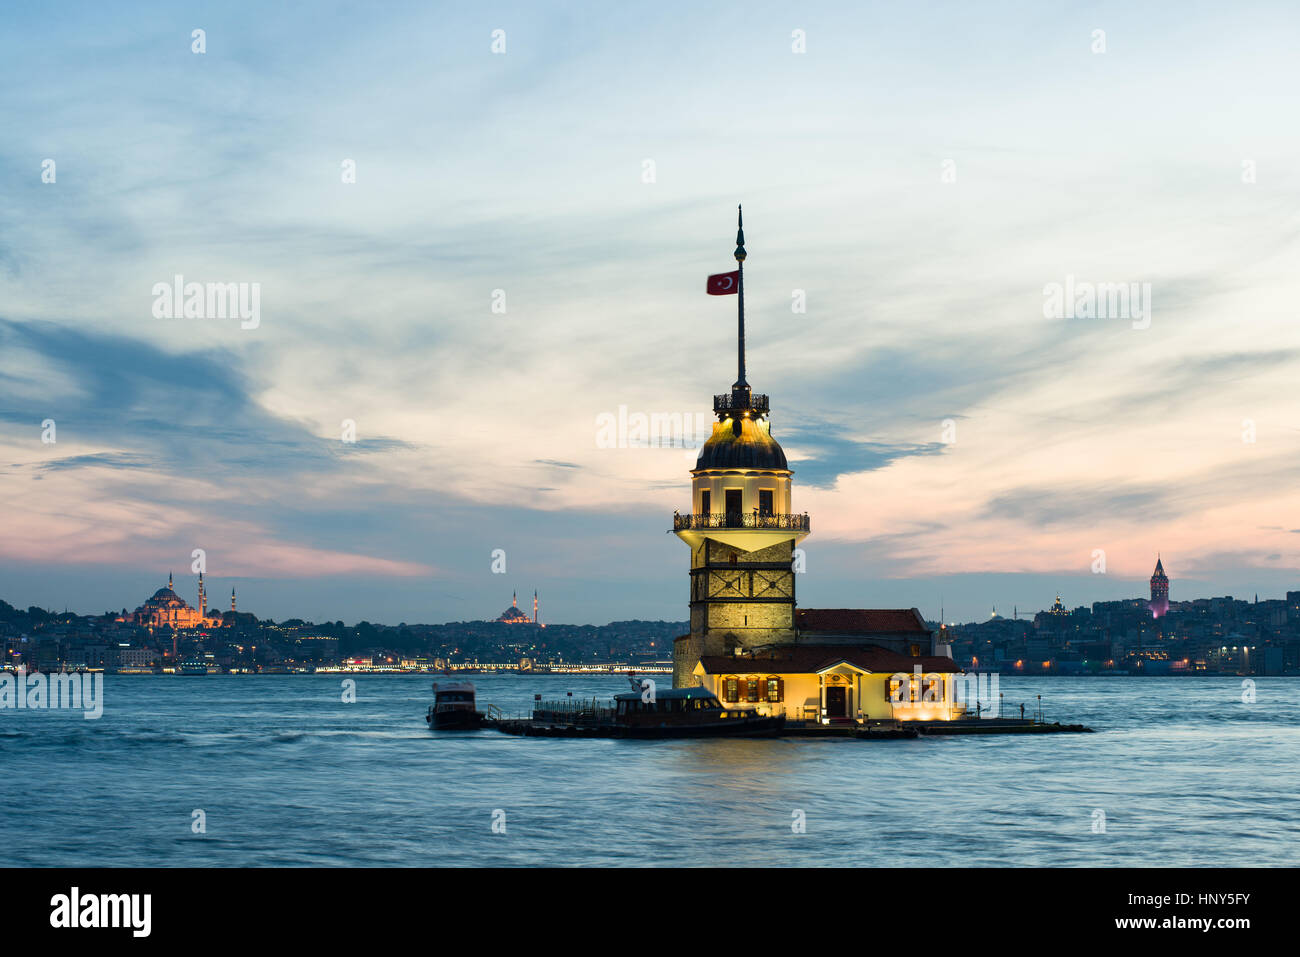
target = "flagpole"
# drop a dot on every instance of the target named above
(740, 300)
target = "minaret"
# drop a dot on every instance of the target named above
(534, 606)
(203, 598)
(1159, 603)
(514, 599)
(232, 599)
(741, 530)
(169, 580)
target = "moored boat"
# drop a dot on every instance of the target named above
(671, 713)
(453, 707)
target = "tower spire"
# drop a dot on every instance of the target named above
(741, 384)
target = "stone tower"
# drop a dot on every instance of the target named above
(1159, 603)
(741, 530)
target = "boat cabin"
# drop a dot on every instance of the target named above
(667, 701)
(672, 706)
(453, 696)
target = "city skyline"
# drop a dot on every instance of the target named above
(129, 614)
(952, 445)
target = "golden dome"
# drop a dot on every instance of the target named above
(741, 443)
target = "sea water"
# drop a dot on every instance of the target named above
(232, 770)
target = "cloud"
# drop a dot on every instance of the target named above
(183, 453)
(475, 428)
(824, 457)
(1071, 503)
(190, 413)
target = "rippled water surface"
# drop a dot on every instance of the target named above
(287, 774)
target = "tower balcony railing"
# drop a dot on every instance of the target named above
(740, 402)
(792, 523)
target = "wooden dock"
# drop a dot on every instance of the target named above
(550, 729)
(869, 731)
(1002, 726)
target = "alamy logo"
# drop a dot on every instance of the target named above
(213, 300)
(968, 691)
(655, 430)
(45, 691)
(1105, 300)
(102, 910)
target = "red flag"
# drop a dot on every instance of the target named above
(723, 284)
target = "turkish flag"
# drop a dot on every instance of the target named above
(724, 284)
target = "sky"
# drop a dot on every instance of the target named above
(522, 254)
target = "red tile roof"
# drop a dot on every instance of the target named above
(808, 659)
(860, 621)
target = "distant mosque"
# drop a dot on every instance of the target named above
(1159, 603)
(166, 609)
(514, 615)
(749, 643)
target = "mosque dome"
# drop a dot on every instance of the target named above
(165, 594)
(741, 443)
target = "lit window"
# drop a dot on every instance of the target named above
(934, 692)
(894, 689)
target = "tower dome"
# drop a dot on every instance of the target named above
(741, 443)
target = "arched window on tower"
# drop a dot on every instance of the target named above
(733, 506)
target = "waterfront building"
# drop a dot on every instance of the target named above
(749, 643)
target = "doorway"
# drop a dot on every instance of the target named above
(837, 702)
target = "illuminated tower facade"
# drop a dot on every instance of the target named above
(741, 530)
(1159, 591)
(203, 597)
